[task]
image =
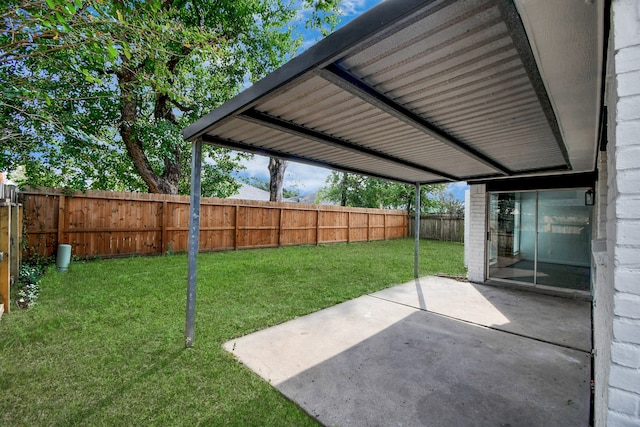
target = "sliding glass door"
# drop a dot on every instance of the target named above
(540, 238)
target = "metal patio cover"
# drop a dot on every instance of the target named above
(424, 92)
(412, 91)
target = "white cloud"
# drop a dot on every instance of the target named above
(256, 166)
(458, 189)
(307, 179)
(353, 7)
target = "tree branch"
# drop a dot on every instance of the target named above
(181, 107)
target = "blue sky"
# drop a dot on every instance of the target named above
(308, 179)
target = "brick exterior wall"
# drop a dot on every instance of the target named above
(477, 225)
(623, 218)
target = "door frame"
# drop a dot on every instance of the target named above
(527, 285)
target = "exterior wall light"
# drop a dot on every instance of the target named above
(589, 197)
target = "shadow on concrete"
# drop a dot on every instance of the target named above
(427, 370)
(422, 304)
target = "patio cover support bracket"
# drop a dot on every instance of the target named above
(298, 130)
(416, 233)
(194, 239)
(357, 87)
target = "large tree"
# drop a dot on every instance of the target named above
(349, 189)
(95, 93)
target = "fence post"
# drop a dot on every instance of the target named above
(237, 229)
(61, 215)
(280, 229)
(5, 249)
(368, 224)
(384, 223)
(163, 232)
(317, 227)
(16, 241)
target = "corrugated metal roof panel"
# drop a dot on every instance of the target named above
(256, 138)
(415, 91)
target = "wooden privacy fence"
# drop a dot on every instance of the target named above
(110, 224)
(440, 227)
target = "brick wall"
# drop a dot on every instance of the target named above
(476, 242)
(623, 215)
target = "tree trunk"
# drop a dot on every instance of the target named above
(171, 175)
(343, 190)
(168, 182)
(276, 178)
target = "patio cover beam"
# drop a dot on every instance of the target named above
(357, 87)
(305, 132)
(521, 41)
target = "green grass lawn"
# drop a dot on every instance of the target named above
(104, 345)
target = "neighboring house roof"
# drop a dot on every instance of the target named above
(309, 199)
(249, 192)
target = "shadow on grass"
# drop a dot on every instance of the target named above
(86, 413)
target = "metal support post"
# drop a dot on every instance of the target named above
(416, 232)
(194, 240)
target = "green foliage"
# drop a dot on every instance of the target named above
(95, 93)
(323, 16)
(349, 189)
(28, 294)
(28, 285)
(447, 204)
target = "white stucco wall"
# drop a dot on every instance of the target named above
(477, 229)
(623, 219)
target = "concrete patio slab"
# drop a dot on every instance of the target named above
(375, 361)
